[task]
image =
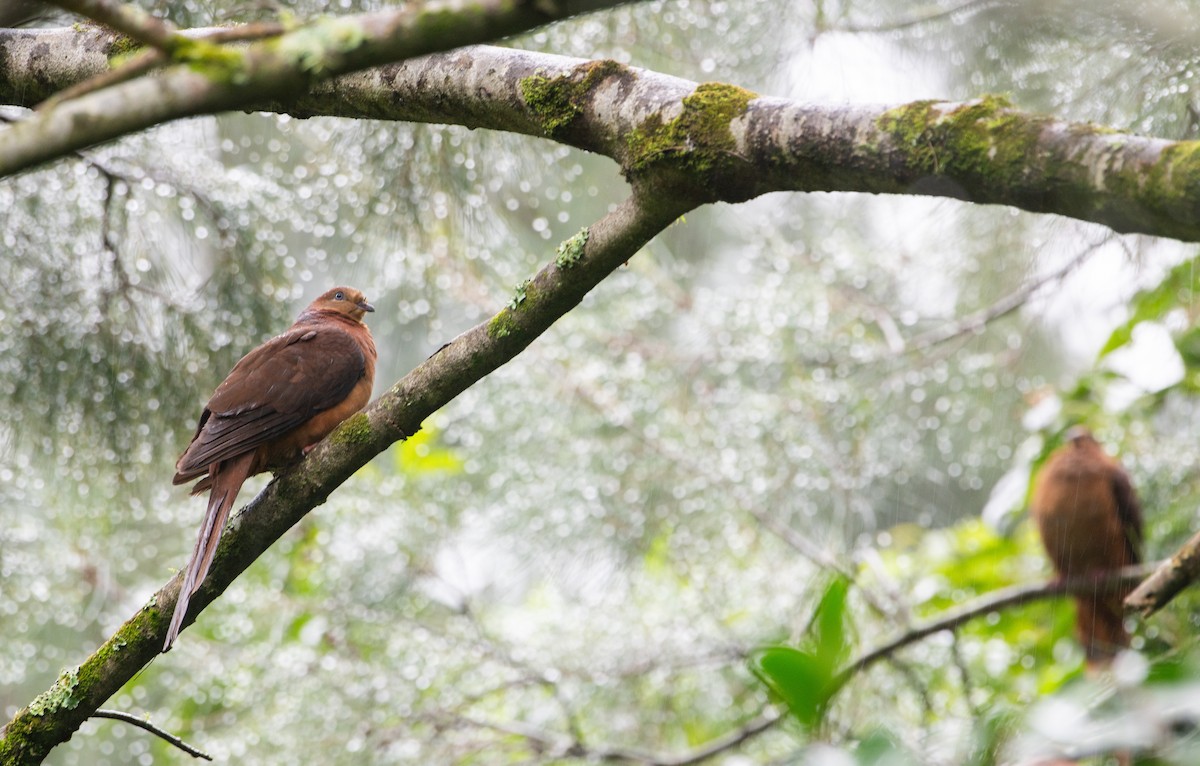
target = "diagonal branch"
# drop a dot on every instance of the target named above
(55, 715)
(141, 723)
(560, 746)
(976, 322)
(129, 20)
(1168, 581)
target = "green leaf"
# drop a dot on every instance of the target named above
(830, 623)
(991, 732)
(1178, 287)
(881, 748)
(805, 678)
(1188, 346)
(797, 677)
(1173, 669)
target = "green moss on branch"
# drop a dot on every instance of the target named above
(556, 102)
(356, 429)
(699, 140)
(983, 138)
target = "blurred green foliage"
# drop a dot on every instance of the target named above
(578, 557)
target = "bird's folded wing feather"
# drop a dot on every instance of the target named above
(1129, 511)
(272, 390)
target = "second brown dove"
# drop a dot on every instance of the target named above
(1090, 523)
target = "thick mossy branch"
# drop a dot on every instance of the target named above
(1172, 185)
(213, 79)
(987, 151)
(64, 694)
(982, 136)
(355, 429)
(673, 138)
(556, 102)
(572, 250)
(698, 140)
(694, 155)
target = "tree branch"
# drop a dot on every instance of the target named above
(55, 715)
(1171, 577)
(129, 20)
(709, 142)
(221, 78)
(141, 723)
(148, 59)
(993, 602)
(982, 151)
(562, 746)
(743, 733)
(979, 320)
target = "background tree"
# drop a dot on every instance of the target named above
(578, 557)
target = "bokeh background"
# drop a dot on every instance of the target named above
(585, 546)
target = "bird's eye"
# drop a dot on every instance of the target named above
(339, 296)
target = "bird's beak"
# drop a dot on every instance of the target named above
(365, 306)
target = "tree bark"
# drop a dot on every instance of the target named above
(708, 142)
(1168, 580)
(207, 78)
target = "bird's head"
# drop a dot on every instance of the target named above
(342, 300)
(1078, 435)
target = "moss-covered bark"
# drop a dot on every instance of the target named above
(987, 151)
(703, 143)
(556, 102)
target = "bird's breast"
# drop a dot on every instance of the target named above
(289, 447)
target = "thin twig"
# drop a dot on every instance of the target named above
(973, 323)
(822, 558)
(127, 19)
(145, 60)
(257, 30)
(138, 64)
(995, 601)
(964, 674)
(559, 746)
(746, 732)
(142, 723)
(919, 19)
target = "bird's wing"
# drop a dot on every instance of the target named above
(1129, 511)
(275, 388)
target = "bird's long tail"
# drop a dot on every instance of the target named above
(1100, 621)
(226, 480)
